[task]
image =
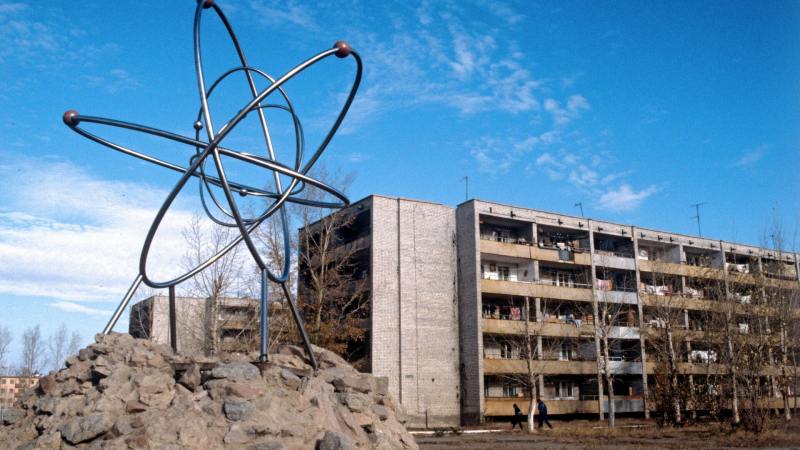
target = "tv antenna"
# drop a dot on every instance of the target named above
(697, 208)
(581, 205)
(467, 180)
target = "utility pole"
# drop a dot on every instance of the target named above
(467, 180)
(581, 205)
(697, 208)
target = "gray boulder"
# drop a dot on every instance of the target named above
(80, 430)
(236, 370)
(334, 441)
(239, 410)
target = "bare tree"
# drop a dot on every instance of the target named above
(782, 304)
(5, 341)
(608, 316)
(522, 341)
(60, 346)
(665, 336)
(221, 279)
(333, 295)
(33, 348)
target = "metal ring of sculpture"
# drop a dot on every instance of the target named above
(196, 168)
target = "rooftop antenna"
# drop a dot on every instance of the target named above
(697, 208)
(581, 205)
(467, 180)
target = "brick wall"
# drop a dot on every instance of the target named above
(415, 311)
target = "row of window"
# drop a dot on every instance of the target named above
(9, 391)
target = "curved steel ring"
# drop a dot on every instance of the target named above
(212, 148)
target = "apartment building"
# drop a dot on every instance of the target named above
(522, 269)
(233, 323)
(464, 299)
(406, 252)
(12, 388)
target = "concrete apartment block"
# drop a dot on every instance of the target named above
(410, 249)
(508, 255)
(452, 289)
(149, 319)
(414, 306)
(13, 388)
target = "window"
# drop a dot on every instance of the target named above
(508, 351)
(565, 389)
(510, 390)
(503, 273)
(565, 279)
(485, 389)
(567, 353)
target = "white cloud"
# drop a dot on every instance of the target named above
(624, 198)
(752, 156)
(491, 155)
(74, 307)
(575, 105)
(79, 237)
(583, 177)
(551, 165)
(279, 13)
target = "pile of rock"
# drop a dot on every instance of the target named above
(126, 393)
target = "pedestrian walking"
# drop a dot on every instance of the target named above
(542, 413)
(517, 420)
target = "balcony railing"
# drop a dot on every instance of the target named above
(522, 276)
(616, 254)
(506, 239)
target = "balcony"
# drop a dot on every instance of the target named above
(568, 330)
(614, 260)
(504, 406)
(686, 270)
(520, 248)
(497, 326)
(679, 302)
(556, 367)
(535, 289)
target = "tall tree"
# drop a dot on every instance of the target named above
(512, 342)
(333, 297)
(60, 346)
(5, 341)
(33, 349)
(220, 280)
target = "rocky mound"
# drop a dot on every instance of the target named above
(126, 393)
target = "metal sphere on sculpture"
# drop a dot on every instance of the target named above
(211, 151)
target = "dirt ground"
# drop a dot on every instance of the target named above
(630, 435)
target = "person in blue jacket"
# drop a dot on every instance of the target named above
(542, 413)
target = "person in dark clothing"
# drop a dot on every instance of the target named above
(517, 420)
(543, 413)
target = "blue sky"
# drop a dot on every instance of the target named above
(635, 109)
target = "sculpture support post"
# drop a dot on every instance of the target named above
(173, 321)
(264, 315)
(299, 321)
(123, 304)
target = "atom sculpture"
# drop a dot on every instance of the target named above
(298, 173)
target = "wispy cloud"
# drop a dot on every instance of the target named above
(282, 13)
(74, 307)
(491, 155)
(624, 198)
(72, 237)
(562, 116)
(753, 156)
